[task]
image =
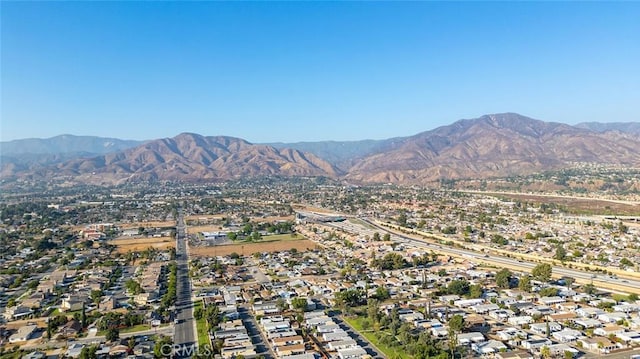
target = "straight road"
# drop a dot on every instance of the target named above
(185, 327)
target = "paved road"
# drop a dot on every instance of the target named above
(185, 329)
(91, 340)
(354, 334)
(598, 279)
(257, 338)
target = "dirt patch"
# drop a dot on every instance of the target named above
(150, 224)
(580, 205)
(250, 248)
(124, 245)
(209, 228)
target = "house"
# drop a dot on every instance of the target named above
(541, 328)
(551, 300)
(588, 323)
(608, 330)
(70, 329)
(589, 312)
(612, 317)
(559, 350)
(629, 337)
(521, 320)
(34, 355)
(567, 335)
(17, 312)
(488, 347)
(23, 334)
(71, 303)
(351, 353)
(598, 345)
(535, 343)
(472, 337)
(516, 354)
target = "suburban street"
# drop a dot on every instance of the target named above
(185, 327)
(257, 337)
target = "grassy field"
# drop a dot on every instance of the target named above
(202, 328)
(356, 323)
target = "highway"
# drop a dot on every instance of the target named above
(599, 280)
(185, 328)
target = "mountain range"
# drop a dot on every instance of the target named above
(489, 146)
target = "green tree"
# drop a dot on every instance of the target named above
(524, 283)
(376, 236)
(382, 293)
(561, 253)
(89, 352)
(96, 295)
(548, 292)
(113, 334)
(299, 304)
(162, 348)
(459, 287)
(503, 278)
(542, 272)
(589, 288)
(386, 237)
(457, 323)
(475, 291)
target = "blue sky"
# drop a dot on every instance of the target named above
(308, 71)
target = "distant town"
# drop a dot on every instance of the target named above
(311, 268)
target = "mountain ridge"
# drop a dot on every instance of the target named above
(489, 146)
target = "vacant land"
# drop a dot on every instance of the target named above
(579, 205)
(125, 245)
(150, 224)
(248, 248)
(204, 228)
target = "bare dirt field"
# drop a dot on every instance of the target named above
(205, 228)
(150, 224)
(581, 205)
(125, 245)
(250, 248)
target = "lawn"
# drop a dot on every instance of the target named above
(356, 323)
(202, 328)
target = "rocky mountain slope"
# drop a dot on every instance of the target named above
(490, 146)
(189, 157)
